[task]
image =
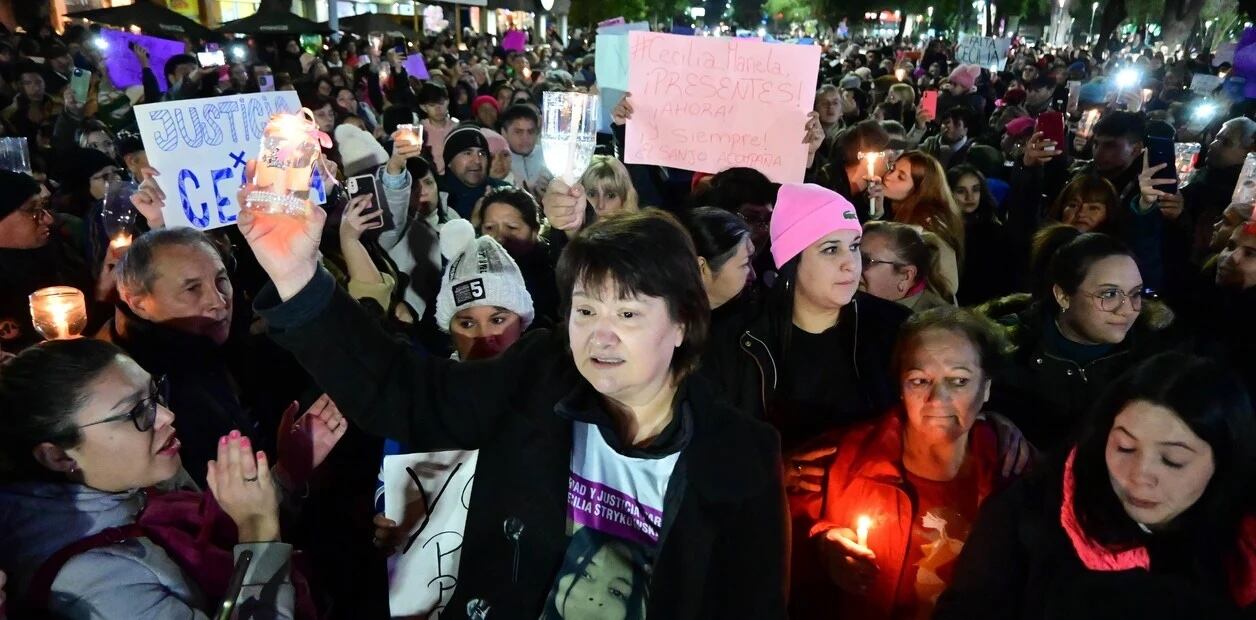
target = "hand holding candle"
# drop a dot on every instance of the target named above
(862, 525)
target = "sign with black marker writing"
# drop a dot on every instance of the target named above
(707, 104)
(427, 494)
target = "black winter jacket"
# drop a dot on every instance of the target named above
(1019, 563)
(1046, 395)
(723, 552)
(747, 367)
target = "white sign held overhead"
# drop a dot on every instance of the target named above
(200, 146)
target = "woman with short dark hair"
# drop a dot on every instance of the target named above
(1154, 489)
(600, 429)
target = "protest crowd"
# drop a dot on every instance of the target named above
(468, 325)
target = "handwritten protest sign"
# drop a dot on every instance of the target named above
(416, 67)
(708, 104)
(201, 146)
(124, 68)
(610, 58)
(427, 494)
(988, 52)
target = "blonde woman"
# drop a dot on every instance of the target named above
(608, 187)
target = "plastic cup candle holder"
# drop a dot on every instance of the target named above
(58, 312)
(569, 133)
(285, 164)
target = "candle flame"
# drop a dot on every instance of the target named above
(862, 524)
(123, 240)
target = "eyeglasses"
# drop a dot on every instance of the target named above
(868, 261)
(144, 414)
(1113, 299)
(110, 175)
(38, 211)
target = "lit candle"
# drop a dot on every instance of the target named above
(122, 240)
(862, 525)
(412, 134)
(58, 312)
(900, 74)
(871, 158)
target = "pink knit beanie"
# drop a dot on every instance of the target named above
(805, 213)
(965, 76)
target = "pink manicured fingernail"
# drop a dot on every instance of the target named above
(235, 434)
(261, 456)
(244, 442)
(222, 440)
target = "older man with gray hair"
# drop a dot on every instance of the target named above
(175, 320)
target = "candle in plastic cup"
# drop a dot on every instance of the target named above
(899, 74)
(122, 240)
(58, 312)
(862, 525)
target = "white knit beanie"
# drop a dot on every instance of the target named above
(360, 152)
(480, 273)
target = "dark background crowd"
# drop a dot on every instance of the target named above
(1001, 320)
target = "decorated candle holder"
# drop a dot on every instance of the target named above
(285, 164)
(58, 312)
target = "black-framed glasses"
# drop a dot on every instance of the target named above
(868, 261)
(144, 414)
(1113, 299)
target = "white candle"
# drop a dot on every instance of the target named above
(862, 525)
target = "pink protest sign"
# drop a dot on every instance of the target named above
(707, 104)
(124, 68)
(514, 41)
(416, 67)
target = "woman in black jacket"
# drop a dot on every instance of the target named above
(597, 430)
(1153, 494)
(1088, 321)
(818, 355)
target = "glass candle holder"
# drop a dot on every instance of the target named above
(412, 134)
(118, 214)
(569, 133)
(58, 312)
(285, 163)
(15, 155)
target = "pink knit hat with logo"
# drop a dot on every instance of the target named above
(805, 213)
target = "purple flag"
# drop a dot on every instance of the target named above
(124, 68)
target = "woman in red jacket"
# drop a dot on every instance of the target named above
(903, 490)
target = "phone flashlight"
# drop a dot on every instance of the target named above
(1204, 112)
(1126, 78)
(100, 43)
(239, 52)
